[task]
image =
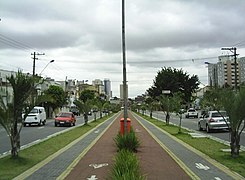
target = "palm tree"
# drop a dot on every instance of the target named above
(85, 108)
(11, 112)
(233, 103)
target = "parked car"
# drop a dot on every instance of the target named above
(65, 118)
(214, 120)
(191, 113)
(36, 116)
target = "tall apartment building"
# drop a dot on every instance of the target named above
(223, 72)
(107, 86)
(242, 70)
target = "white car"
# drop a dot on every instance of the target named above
(192, 113)
(36, 116)
(214, 120)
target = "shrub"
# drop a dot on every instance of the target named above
(128, 141)
(126, 166)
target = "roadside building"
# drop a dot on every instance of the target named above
(226, 73)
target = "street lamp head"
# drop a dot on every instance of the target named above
(51, 61)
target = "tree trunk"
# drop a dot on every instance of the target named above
(235, 144)
(167, 118)
(15, 143)
(151, 114)
(85, 118)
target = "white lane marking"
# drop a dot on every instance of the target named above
(201, 166)
(96, 166)
(97, 131)
(217, 178)
(93, 177)
(41, 127)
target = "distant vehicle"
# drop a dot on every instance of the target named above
(65, 118)
(191, 113)
(36, 116)
(75, 111)
(214, 120)
(90, 113)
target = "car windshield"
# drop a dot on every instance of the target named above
(65, 115)
(34, 111)
(219, 114)
(191, 110)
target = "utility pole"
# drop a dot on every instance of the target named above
(34, 61)
(233, 50)
(124, 69)
(33, 73)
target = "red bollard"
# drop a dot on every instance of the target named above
(122, 125)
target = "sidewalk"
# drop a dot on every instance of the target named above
(154, 161)
(161, 156)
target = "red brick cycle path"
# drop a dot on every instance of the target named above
(155, 162)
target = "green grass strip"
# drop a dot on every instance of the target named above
(10, 168)
(207, 146)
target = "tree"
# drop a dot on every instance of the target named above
(85, 103)
(57, 94)
(170, 103)
(233, 103)
(84, 108)
(151, 105)
(107, 107)
(176, 81)
(11, 112)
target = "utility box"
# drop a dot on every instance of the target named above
(122, 125)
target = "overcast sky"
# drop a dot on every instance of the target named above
(84, 37)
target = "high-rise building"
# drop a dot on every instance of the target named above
(226, 72)
(107, 86)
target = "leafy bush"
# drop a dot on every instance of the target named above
(128, 141)
(126, 166)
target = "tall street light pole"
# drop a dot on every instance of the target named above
(124, 69)
(46, 66)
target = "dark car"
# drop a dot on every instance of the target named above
(65, 118)
(75, 111)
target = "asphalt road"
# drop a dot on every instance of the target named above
(34, 133)
(191, 123)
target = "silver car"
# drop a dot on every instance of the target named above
(214, 120)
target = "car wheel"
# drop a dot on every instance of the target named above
(199, 127)
(208, 129)
(55, 124)
(44, 122)
(74, 124)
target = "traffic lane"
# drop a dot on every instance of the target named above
(34, 133)
(192, 123)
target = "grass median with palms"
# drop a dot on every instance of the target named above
(214, 149)
(10, 168)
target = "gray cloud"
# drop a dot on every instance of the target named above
(84, 37)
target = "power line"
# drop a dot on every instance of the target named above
(14, 43)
